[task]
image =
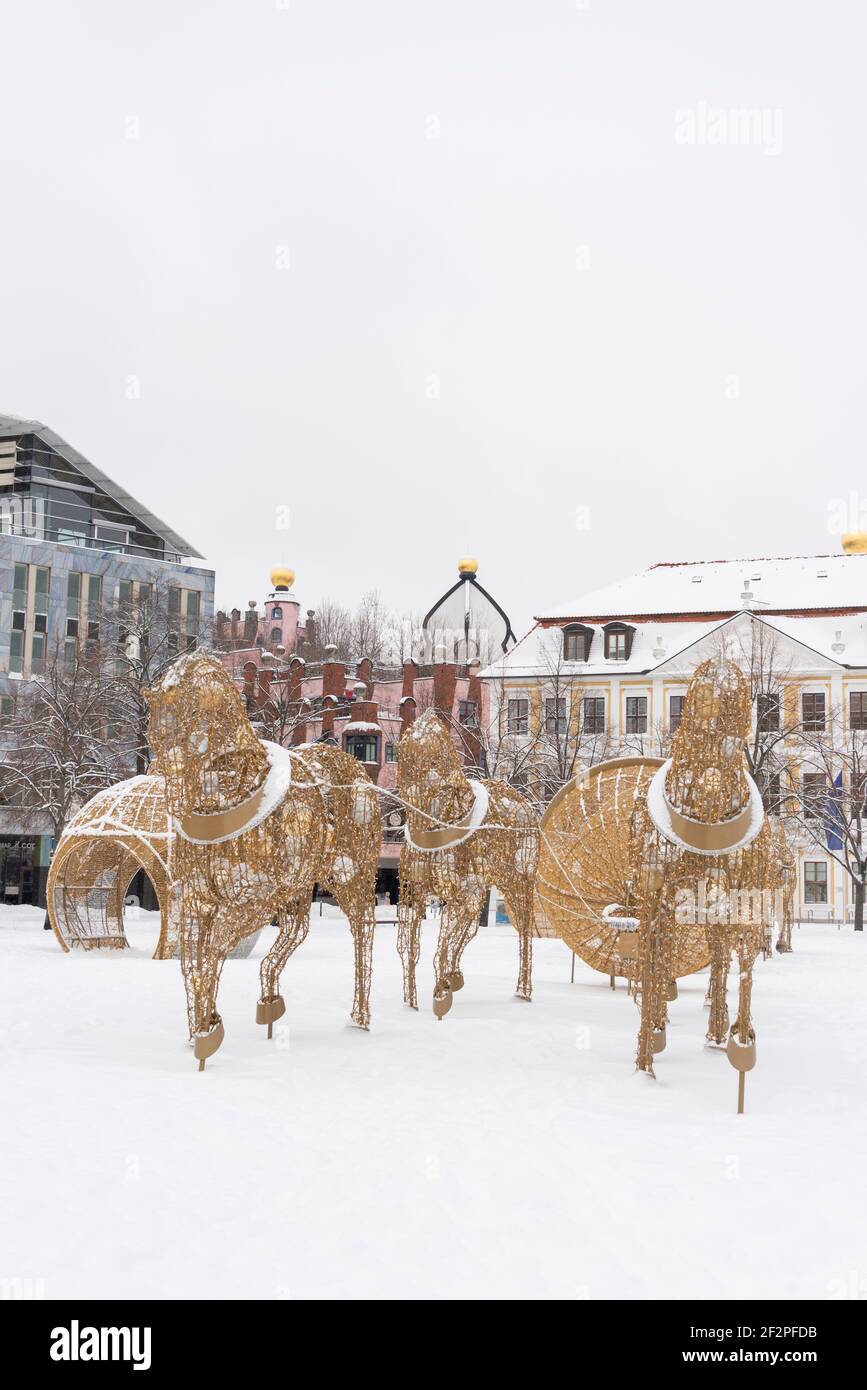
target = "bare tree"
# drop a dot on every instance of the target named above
(762, 656)
(542, 746)
(141, 634)
(66, 742)
(827, 801)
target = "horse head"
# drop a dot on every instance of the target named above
(430, 776)
(199, 730)
(707, 780)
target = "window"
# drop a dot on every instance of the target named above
(184, 614)
(576, 643)
(858, 709)
(636, 714)
(555, 716)
(390, 753)
(813, 711)
(16, 653)
(72, 627)
(41, 593)
(518, 716)
(815, 881)
(19, 589)
(276, 634)
(364, 747)
(37, 653)
(94, 601)
(814, 794)
(675, 712)
(276, 612)
(468, 713)
(594, 714)
(618, 641)
(7, 710)
(768, 713)
(771, 791)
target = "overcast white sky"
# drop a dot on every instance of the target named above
(670, 335)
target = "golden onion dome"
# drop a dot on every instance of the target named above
(467, 565)
(855, 543)
(282, 578)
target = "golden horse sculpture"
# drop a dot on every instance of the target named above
(257, 826)
(461, 837)
(706, 836)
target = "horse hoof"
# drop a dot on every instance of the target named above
(269, 1010)
(657, 1041)
(456, 980)
(442, 1003)
(206, 1044)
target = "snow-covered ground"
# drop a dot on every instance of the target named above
(507, 1152)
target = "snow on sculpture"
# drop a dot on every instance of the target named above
(650, 868)
(121, 830)
(118, 832)
(706, 833)
(257, 826)
(461, 837)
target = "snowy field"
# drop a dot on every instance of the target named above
(509, 1151)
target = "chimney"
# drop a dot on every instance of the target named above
(364, 672)
(296, 698)
(333, 687)
(251, 623)
(445, 675)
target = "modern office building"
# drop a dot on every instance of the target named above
(72, 543)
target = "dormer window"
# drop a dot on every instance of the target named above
(618, 641)
(576, 642)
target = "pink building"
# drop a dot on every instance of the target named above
(360, 705)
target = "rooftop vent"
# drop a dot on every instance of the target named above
(821, 574)
(696, 579)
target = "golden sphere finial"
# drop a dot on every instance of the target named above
(855, 543)
(467, 565)
(282, 578)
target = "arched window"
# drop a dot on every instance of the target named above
(276, 634)
(618, 641)
(576, 642)
(276, 612)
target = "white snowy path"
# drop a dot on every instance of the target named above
(508, 1152)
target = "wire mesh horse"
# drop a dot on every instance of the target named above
(461, 837)
(257, 826)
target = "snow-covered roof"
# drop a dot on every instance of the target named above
(674, 648)
(786, 583)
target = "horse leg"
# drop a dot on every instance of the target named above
(408, 941)
(442, 996)
(720, 960)
(520, 910)
(362, 922)
(293, 921)
(466, 926)
(203, 950)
